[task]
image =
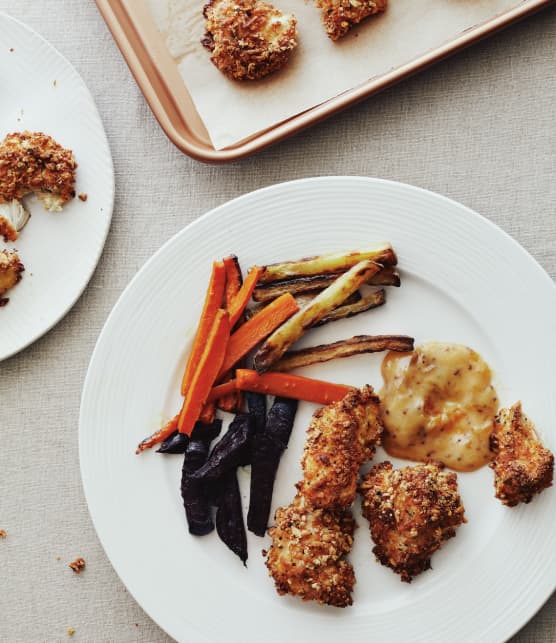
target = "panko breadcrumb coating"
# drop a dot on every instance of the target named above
(34, 162)
(248, 39)
(522, 466)
(411, 513)
(339, 16)
(306, 555)
(10, 272)
(340, 438)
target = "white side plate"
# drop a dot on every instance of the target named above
(42, 92)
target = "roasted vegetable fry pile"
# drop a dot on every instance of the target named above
(231, 331)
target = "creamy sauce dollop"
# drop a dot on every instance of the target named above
(438, 403)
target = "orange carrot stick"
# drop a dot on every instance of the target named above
(234, 279)
(242, 298)
(218, 392)
(208, 413)
(294, 386)
(213, 301)
(233, 402)
(258, 328)
(206, 372)
(159, 436)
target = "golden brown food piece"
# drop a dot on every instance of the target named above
(308, 316)
(411, 512)
(522, 466)
(340, 438)
(248, 39)
(327, 263)
(313, 284)
(77, 565)
(10, 273)
(343, 348)
(34, 162)
(339, 16)
(306, 555)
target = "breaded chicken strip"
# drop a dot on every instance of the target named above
(340, 438)
(339, 16)
(10, 273)
(34, 162)
(522, 466)
(411, 512)
(248, 39)
(306, 555)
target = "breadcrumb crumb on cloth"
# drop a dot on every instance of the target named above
(78, 565)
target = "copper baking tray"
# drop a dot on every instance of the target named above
(156, 74)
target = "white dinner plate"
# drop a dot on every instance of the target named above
(463, 280)
(42, 92)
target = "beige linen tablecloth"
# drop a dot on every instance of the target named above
(479, 128)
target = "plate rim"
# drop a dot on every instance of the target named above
(110, 196)
(516, 627)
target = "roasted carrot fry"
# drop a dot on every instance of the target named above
(233, 402)
(159, 436)
(258, 328)
(234, 279)
(294, 386)
(206, 372)
(218, 392)
(213, 301)
(208, 413)
(242, 298)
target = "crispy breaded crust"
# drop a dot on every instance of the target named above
(34, 162)
(522, 466)
(340, 438)
(7, 230)
(339, 16)
(248, 39)
(10, 272)
(306, 556)
(411, 513)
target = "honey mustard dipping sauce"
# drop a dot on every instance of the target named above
(438, 403)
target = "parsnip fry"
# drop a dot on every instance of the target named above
(291, 330)
(301, 301)
(372, 300)
(388, 276)
(343, 348)
(333, 262)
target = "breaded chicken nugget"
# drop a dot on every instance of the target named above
(522, 466)
(339, 16)
(411, 513)
(340, 438)
(248, 39)
(306, 555)
(10, 273)
(34, 162)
